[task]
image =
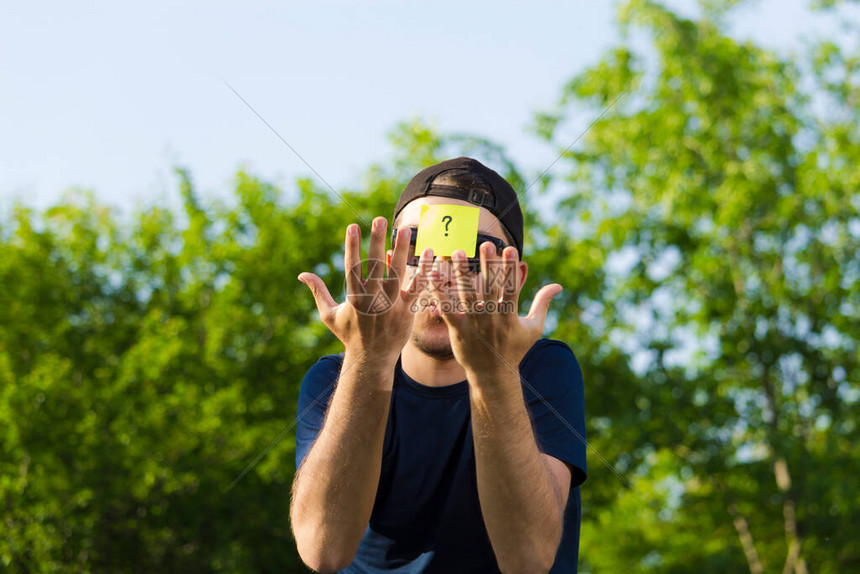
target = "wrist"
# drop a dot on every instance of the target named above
(371, 365)
(493, 378)
(494, 369)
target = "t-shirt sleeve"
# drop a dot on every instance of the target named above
(554, 394)
(314, 395)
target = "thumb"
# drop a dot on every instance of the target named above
(540, 304)
(325, 302)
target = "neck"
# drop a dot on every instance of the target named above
(428, 370)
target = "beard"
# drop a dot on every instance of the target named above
(431, 337)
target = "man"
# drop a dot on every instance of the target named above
(446, 437)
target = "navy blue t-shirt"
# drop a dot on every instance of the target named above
(426, 516)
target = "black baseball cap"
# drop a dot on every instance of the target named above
(494, 193)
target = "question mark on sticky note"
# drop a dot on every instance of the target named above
(447, 221)
(435, 229)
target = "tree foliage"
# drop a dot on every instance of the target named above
(148, 361)
(723, 195)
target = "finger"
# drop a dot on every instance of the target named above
(420, 279)
(376, 253)
(401, 253)
(540, 306)
(465, 281)
(325, 302)
(352, 260)
(510, 287)
(439, 291)
(437, 276)
(434, 277)
(392, 283)
(490, 271)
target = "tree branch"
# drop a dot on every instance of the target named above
(744, 534)
(794, 562)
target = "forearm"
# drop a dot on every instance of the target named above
(518, 500)
(334, 491)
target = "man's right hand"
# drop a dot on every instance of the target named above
(376, 312)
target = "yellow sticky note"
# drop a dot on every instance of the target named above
(446, 228)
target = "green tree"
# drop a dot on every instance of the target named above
(142, 366)
(150, 364)
(710, 220)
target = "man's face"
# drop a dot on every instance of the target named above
(429, 331)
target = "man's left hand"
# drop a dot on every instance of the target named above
(486, 332)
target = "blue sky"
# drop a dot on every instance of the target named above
(108, 97)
